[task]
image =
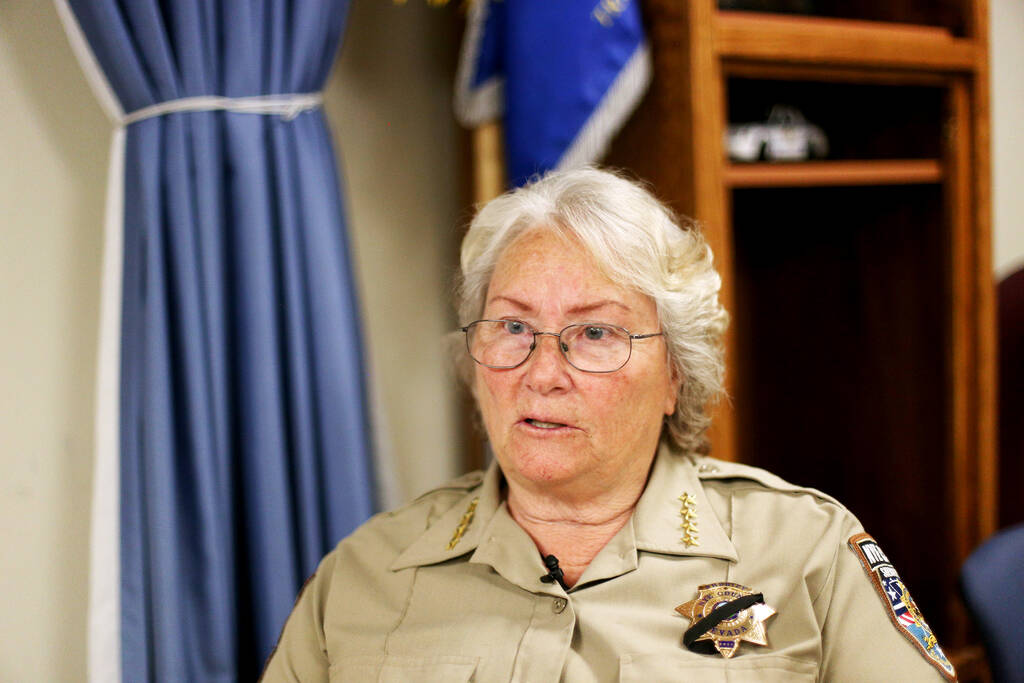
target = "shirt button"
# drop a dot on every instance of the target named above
(558, 606)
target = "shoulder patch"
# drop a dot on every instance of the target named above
(901, 608)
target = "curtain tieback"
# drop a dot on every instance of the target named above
(286, 106)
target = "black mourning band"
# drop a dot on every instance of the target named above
(717, 616)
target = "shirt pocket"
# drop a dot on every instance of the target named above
(676, 667)
(398, 669)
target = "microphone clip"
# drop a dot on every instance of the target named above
(555, 572)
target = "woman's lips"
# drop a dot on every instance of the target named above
(540, 427)
(544, 425)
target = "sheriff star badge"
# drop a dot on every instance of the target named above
(726, 635)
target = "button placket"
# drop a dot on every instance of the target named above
(546, 644)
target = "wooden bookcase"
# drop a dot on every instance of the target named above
(861, 354)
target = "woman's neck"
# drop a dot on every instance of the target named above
(574, 533)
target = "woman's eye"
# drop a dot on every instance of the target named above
(515, 327)
(595, 333)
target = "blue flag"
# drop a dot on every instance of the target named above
(564, 74)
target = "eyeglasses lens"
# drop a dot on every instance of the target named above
(591, 347)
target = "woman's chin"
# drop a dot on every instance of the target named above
(544, 465)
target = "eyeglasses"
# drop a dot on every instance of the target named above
(590, 347)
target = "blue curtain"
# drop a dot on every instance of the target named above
(243, 422)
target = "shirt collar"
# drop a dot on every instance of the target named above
(656, 522)
(658, 518)
(440, 542)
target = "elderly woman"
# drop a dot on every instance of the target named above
(602, 544)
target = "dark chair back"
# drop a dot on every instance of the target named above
(992, 580)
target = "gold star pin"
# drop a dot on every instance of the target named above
(688, 513)
(747, 624)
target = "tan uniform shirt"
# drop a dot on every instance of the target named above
(399, 601)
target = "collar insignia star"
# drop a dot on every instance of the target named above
(688, 515)
(747, 624)
(467, 519)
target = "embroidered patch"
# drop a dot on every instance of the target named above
(903, 610)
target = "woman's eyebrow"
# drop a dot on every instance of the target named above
(507, 299)
(575, 310)
(603, 303)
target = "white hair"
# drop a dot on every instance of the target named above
(638, 243)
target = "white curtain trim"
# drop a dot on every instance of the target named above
(104, 663)
(286, 106)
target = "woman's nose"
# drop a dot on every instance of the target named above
(547, 368)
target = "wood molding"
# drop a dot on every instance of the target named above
(834, 173)
(708, 110)
(802, 39)
(831, 74)
(963, 513)
(986, 453)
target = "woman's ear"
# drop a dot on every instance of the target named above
(675, 382)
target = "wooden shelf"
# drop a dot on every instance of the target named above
(834, 173)
(899, 284)
(790, 39)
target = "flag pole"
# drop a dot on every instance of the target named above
(488, 162)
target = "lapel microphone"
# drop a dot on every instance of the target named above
(554, 572)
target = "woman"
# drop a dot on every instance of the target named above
(601, 544)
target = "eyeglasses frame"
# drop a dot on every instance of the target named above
(561, 346)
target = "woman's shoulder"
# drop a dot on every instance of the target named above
(392, 531)
(766, 496)
(739, 476)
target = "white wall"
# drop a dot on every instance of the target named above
(53, 154)
(1007, 66)
(389, 102)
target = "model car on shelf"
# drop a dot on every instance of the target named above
(785, 136)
